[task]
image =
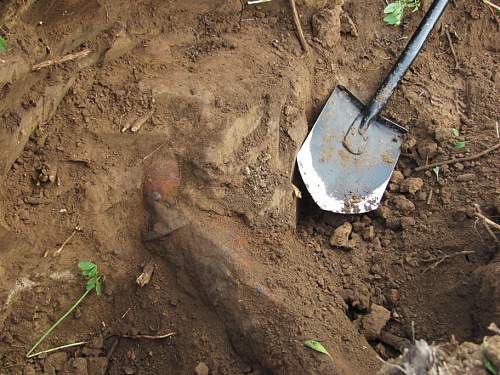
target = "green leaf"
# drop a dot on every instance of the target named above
(490, 367)
(3, 44)
(455, 132)
(86, 266)
(393, 7)
(393, 19)
(459, 145)
(317, 346)
(436, 170)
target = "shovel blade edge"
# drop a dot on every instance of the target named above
(338, 180)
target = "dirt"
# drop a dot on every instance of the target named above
(202, 194)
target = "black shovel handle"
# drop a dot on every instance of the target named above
(411, 51)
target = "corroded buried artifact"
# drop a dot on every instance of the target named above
(348, 157)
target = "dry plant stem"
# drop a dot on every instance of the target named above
(298, 26)
(441, 259)
(58, 348)
(61, 59)
(448, 36)
(149, 337)
(58, 251)
(491, 4)
(480, 215)
(450, 161)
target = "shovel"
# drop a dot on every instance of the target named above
(348, 157)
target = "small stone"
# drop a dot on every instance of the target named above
(371, 324)
(397, 177)
(340, 237)
(412, 185)
(403, 204)
(427, 149)
(201, 369)
(407, 222)
(459, 166)
(129, 371)
(466, 177)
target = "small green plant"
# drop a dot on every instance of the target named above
(436, 170)
(490, 367)
(3, 44)
(89, 270)
(459, 145)
(395, 10)
(317, 346)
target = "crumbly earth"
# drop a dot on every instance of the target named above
(221, 96)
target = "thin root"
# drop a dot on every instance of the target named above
(298, 26)
(438, 260)
(488, 223)
(60, 60)
(149, 337)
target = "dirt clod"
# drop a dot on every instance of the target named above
(427, 149)
(340, 237)
(412, 185)
(326, 26)
(403, 204)
(372, 323)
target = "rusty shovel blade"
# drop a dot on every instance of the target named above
(338, 180)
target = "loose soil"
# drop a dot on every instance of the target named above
(225, 97)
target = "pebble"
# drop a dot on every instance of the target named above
(459, 166)
(129, 371)
(201, 369)
(466, 177)
(340, 237)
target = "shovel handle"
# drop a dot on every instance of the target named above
(396, 74)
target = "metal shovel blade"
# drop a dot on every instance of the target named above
(338, 180)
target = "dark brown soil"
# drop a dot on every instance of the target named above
(226, 98)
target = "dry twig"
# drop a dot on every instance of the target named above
(60, 60)
(149, 337)
(438, 260)
(448, 36)
(488, 223)
(58, 251)
(298, 26)
(450, 161)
